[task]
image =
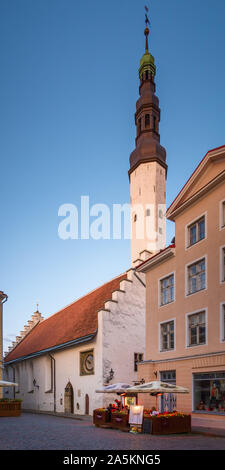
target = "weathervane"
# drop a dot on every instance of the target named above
(146, 16)
(146, 29)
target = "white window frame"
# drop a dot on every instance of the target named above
(222, 321)
(195, 220)
(221, 224)
(187, 294)
(222, 268)
(173, 273)
(187, 346)
(159, 336)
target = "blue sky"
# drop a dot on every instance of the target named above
(68, 88)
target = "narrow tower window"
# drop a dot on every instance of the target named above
(154, 123)
(147, 120)
(139, 126)
(146, 74)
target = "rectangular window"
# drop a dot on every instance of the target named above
(17, 378)
(30, 376)
(139, 127)
(167, 336)
(196, 329)
(223, 322)
(167, 290)
(48, 371)
(138, 357)
(223, 214)
(197, 276)
(209, 392)
(223, 264)
(196, 231)
(147, 120)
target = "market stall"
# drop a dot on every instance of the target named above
(135, 418)
(155, 422)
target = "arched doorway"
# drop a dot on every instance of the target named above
(87, 404)
(68, 398)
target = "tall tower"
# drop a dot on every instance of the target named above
(148, 168)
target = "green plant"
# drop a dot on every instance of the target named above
(10, 400)
(120, 413)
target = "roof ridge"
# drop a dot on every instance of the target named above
(82, 296)
(193, 173)
(77, 314)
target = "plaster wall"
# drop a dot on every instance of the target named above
(147, 190)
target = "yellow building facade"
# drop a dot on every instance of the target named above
(185, 298)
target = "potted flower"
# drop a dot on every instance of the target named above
(171, 423)
(101, 416)
(120, 420)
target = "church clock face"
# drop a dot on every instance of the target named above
(87, 362)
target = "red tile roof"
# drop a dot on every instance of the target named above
(75, 321)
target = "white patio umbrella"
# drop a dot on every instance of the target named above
(119, 388)
(3, 383)
(115, 388)
(156, 387)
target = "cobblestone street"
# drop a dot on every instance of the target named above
(43, 432)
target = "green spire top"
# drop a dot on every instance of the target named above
(147, 62)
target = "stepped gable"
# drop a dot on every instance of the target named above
(75, 321)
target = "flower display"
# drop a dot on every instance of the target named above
(166, 414)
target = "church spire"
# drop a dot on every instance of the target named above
(148, 161)
(147, 116)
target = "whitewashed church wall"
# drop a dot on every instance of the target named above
(124, 332)
(35, 380)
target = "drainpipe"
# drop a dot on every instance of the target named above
(140, 280)
(3, 299)
(54, 382)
